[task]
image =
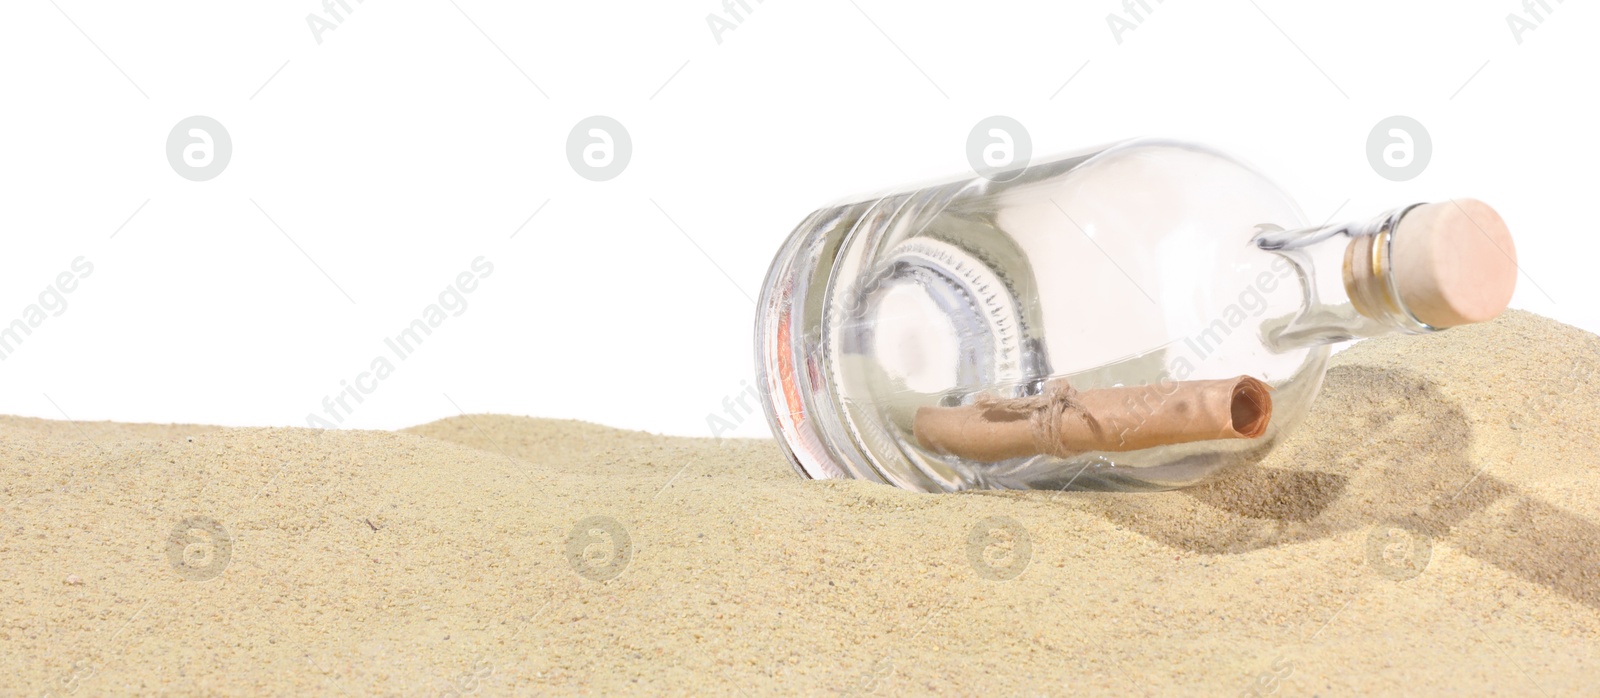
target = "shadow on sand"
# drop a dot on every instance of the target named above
(1393, 454)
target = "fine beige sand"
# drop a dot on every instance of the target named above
(1433, 528)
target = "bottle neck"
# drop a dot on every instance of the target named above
(1348, 275)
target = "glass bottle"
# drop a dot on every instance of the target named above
(988, 302)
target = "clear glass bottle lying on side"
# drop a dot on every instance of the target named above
(1137, 317)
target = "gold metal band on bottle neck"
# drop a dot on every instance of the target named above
(1366, 273)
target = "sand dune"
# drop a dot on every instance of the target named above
(1433, 527)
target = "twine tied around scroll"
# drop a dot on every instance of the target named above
(1044, 413)
(1063, 421)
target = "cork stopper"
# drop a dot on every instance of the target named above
(1453, 263)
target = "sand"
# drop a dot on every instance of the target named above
(1433, 527)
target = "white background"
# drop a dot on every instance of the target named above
(410, 142)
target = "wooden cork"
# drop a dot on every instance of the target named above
(1453, 262)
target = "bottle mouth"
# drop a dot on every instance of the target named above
(1432, 266)
(1369, 279)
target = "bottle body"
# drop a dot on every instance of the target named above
(1143, 263)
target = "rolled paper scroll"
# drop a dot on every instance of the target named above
(1062, 421)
